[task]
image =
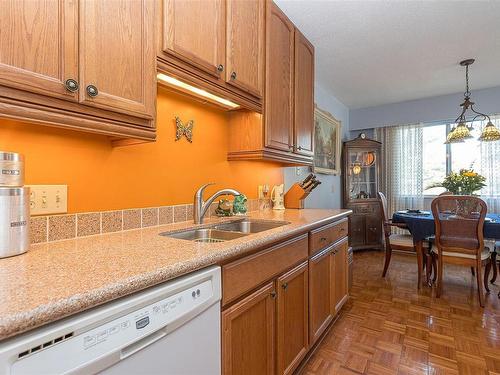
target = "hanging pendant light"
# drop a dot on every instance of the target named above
(453, 137)
(490, 133)
(462, 132)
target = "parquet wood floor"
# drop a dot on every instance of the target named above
(388, 327)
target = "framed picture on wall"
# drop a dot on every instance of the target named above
(327, 142)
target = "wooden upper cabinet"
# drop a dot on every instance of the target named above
(292, 318)
(245, 36)
(39, 46)
(304, 95)
(117, 56)
(248, 334)
(286, 133)
(321, 294)
(194, 31)
(278, 103)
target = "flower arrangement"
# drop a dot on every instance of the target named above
(465, 182)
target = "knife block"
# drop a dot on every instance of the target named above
(295, 196)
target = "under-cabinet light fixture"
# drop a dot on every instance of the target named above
(186, 87)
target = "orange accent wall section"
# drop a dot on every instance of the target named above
(101, 177)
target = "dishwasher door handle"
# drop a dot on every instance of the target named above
(142, 343)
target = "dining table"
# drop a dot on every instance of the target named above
(421, 226)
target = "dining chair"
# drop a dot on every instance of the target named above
(431, 239)
(394, 241)
(446, 193)
(459, 222)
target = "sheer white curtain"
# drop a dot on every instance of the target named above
(490, 168)
(402, 158)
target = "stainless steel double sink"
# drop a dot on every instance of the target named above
(226, 231)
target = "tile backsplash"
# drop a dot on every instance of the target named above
(61, 227)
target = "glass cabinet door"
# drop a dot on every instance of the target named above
(362, 171)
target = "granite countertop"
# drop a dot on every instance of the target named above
(57, 279)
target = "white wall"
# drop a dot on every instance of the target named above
(328, 194)
(435, 109)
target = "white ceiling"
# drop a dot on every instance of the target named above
(370, 53)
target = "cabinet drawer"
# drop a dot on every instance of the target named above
(324, 236)
(364, 209)
(247, 273)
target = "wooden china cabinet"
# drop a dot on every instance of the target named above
(361, 164)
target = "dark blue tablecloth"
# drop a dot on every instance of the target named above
(421, 225)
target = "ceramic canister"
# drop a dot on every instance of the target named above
(11, 169)
(14, 220)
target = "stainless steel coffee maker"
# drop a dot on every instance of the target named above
(14, 206)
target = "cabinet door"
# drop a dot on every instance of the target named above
(304, 95)
(278, 104)
(39, 46)
(356, 230)
(248, 334)
(292, 319)
(117, 56)
(320, 294)
(245, 44)
(373, 229)
(194, 31)
(340, 274)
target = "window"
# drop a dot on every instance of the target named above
(434, 155)
(468, 154)
(415, 157)
(440, 159)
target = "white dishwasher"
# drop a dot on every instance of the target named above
(172, 328)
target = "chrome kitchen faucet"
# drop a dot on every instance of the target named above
(200, 207)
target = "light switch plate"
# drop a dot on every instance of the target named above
(48, 199)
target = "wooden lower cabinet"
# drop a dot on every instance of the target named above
(272, 318)
(292, 319)
(341, 274)
(365, 227)
(373, 229)
(357, 231)
(248, 334)
(321, 294)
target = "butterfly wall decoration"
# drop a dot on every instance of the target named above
(186, 130)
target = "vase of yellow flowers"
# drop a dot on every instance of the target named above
(465, 182)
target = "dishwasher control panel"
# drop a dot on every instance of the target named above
(125, 335)
(149, 318)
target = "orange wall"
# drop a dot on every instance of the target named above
(100, 177)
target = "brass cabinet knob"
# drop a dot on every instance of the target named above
(273, 294)
(71, 85)
(285, 286)
(220, 68)
(233, 75)
(92, 91)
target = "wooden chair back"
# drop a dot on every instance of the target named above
(446, 193)
(459, 222)
(384, 215)
(383, 207)
(451, 203)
